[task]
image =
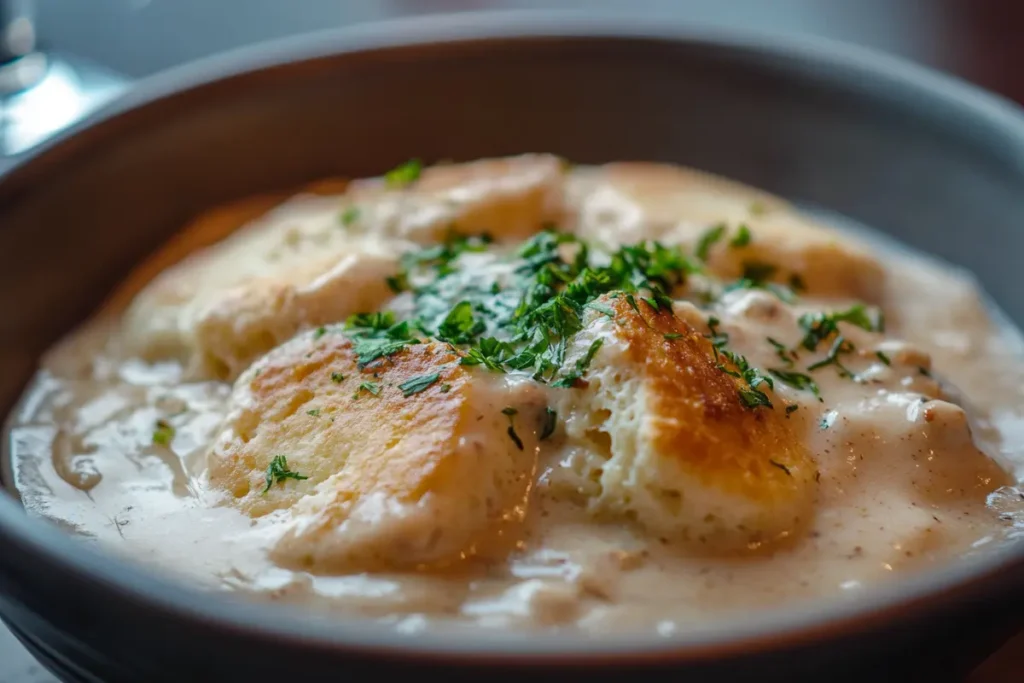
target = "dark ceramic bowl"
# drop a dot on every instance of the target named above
(930, 160)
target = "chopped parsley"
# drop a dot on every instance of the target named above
(489, 352)
(445, 388)
(337, 377)
(550, 423)
(783, 352)
(163, 433)
(820, 326)
(350, 216)
(881, 355)
(418, 384)
(581, 365)
(601, 308)
(796, 380)
(752, 398)
(278, 471)
(370, 387)
(839, 346)
(750, 395)
(459, 326)
(791, 408)
(315, 412)
(404, 174)
(377, 335)
(369, 350)
(672, 336)
(757, 275)
(707, 240)
(511, 414)
(319, 332)
(741, 238)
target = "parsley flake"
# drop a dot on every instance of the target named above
(404, 174)
(350, 216)
(371, 387)
(708, 239)
(511, 412)
(796, 380)
(783, 352)
(601, 308)
(418, 384)
(741, 238)
(278, 471)
(550, 423)
(163, 433)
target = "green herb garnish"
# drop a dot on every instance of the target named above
(821, 326)
(741, 238)
(337, 377)
(883, 357)
(370, 387)
(839, 346)
(418, 384)
(403, 174)
(459, 327)
(796, 380)
(550, 424)
(278, 471)
(511, 413)
(163, 433)
(708, 240)
(601, 308)
(315, 412)
(350, 216)
(783, 352)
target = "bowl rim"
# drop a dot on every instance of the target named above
(773, 628)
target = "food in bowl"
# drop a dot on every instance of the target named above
(517, 393)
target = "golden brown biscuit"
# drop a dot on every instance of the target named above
(318, 258)
(392, 480)
(674, 446)
(509, 198)
(629, 202)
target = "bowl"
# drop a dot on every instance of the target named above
(927, 159)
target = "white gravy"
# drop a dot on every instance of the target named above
(84, 457)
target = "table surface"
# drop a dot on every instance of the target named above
(978, 41)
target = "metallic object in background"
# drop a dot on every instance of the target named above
(42, 93)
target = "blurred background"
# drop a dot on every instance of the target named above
(91, 48)
(61, 58)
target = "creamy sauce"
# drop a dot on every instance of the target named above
(901, 485)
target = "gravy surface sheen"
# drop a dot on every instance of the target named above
(488, 498)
